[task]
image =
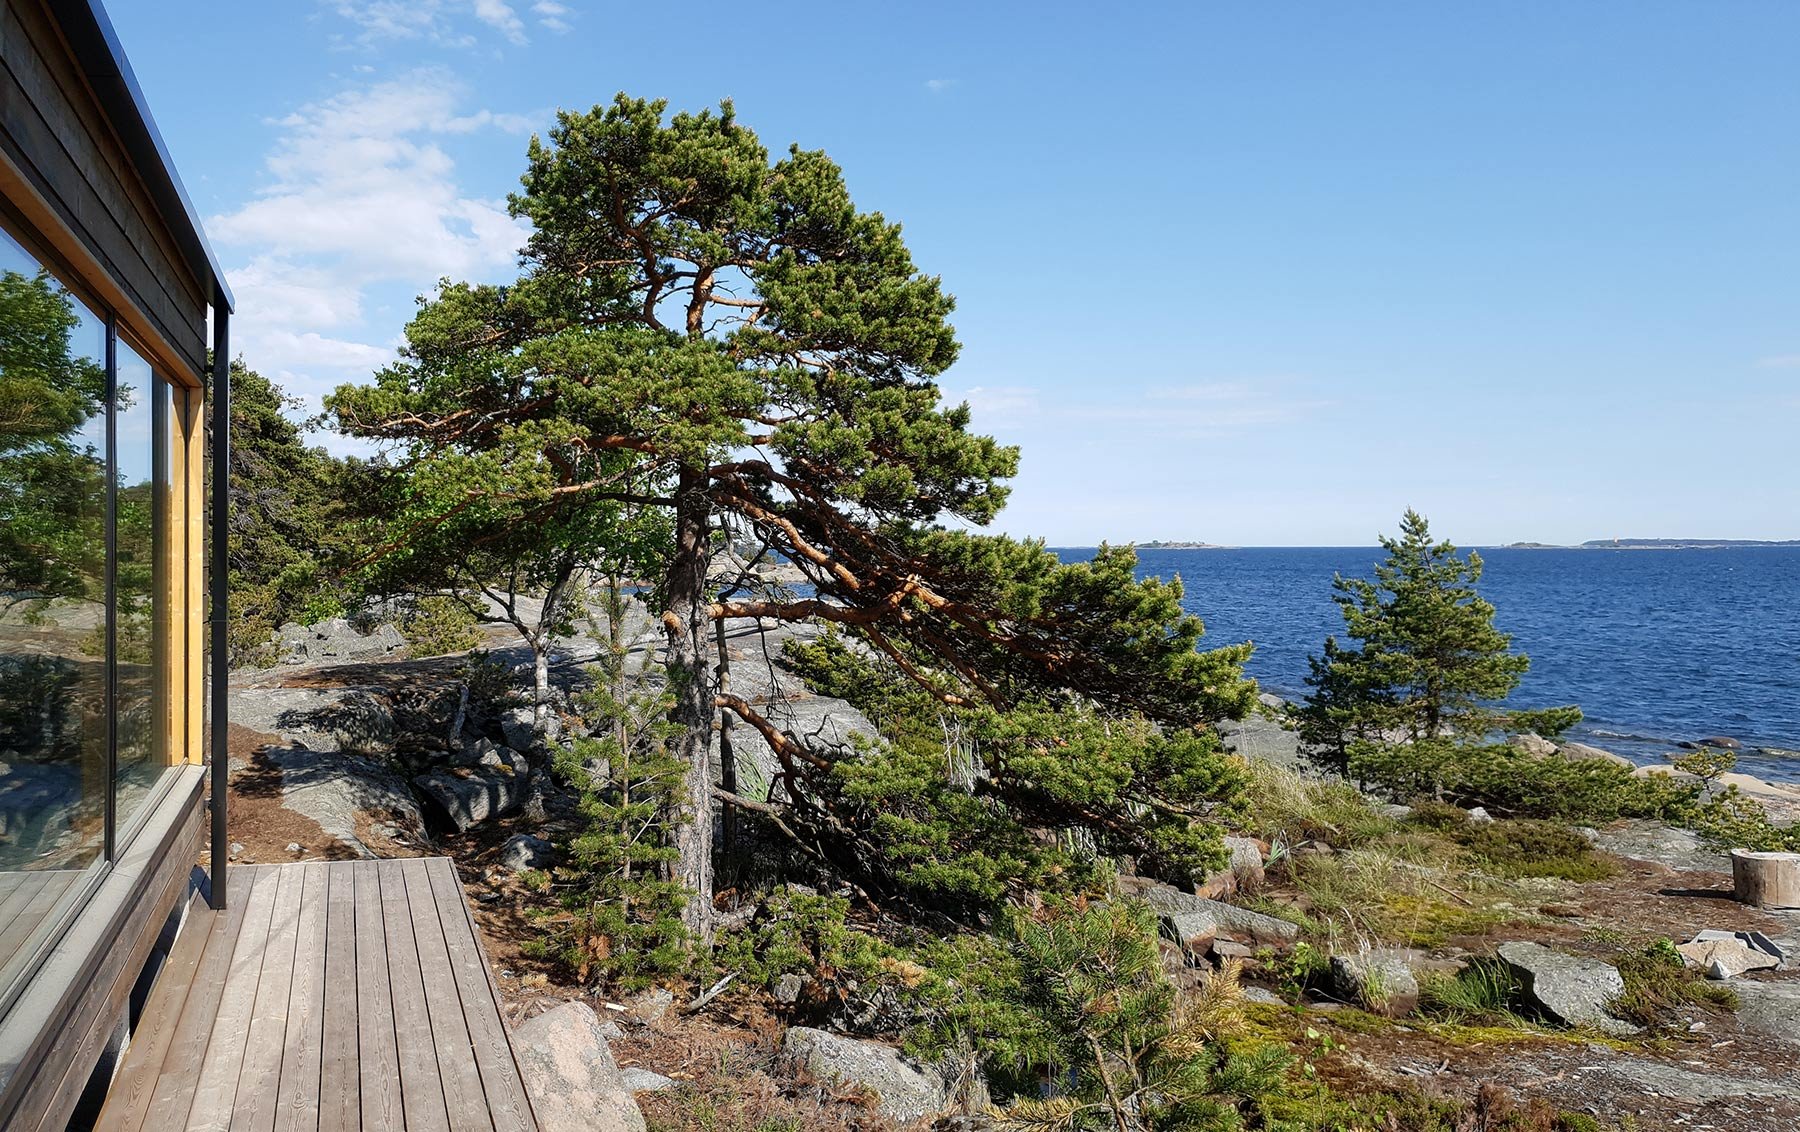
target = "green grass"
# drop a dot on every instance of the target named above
(1484, 993)
(1658, 984)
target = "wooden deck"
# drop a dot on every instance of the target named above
(326, 997)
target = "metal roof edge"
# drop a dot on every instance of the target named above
(102, 59)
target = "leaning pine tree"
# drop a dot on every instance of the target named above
(767, 354)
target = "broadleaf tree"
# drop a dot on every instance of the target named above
(760, 352)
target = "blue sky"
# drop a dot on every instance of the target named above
(1258, 274)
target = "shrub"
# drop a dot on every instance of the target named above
(436, 626)
(1511, 781)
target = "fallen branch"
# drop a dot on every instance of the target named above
(709, 994)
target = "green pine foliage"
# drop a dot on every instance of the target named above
(1428, 662)
(1132, 1055)
(715, 333)
(959, 807)
(292, 506)
(624, 918)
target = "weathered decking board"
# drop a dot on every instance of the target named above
(328, 996)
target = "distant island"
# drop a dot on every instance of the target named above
(1655, 544)
(1158, 544)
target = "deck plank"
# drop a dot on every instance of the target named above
(129, 1102)
(174, 1092)
(340, 1087)
(259, 1080)
(421, 1087)
(297, 1099)
(464, 1096)
(507, 1103)
(379, 1057)
(216, 1091)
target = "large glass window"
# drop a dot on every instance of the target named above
(85, 617)
(54, 757)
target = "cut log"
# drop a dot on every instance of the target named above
(1766, 880)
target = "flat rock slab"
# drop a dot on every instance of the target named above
(1197, 920)
(1725, 958)
(1771, 1009)
(345, 794)
(904, 1091)
(1572, 988)
(351, 720)
(1659, 844)
(1657, 1079)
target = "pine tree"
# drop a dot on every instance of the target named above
(1429, 662)
(767, 354)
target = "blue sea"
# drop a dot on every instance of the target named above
(1656, 646)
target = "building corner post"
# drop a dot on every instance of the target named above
(219, 575)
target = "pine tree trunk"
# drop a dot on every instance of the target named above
(540, 654)
(727, 757)
(685, 623)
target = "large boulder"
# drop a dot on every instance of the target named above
(1581, 752)
(1244, 870)
(465, 798)
(570, 1072)
(1533, 744)
(1573, 989)
(335, 639)
(904, 1091)
(353, 798)
(523, 851)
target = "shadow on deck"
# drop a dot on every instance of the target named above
(328, 996)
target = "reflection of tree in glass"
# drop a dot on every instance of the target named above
(51, 478)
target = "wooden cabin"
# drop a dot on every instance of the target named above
(138, 989)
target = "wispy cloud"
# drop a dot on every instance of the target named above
(453, 23)
(939, 86)
(999, 405)
(359, 193)
(1780, 361)
(552, 16)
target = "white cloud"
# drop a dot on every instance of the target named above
(939, 86)
(450, 23)
(1780, 361)
(360, 194)
(552, 16)
(500, 16)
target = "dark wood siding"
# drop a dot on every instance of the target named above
(52, 128)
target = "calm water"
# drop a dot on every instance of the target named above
(1655, 645)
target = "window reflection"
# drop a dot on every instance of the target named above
(138, 578)
(53, 709)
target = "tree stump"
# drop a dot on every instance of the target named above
(1766, 880)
